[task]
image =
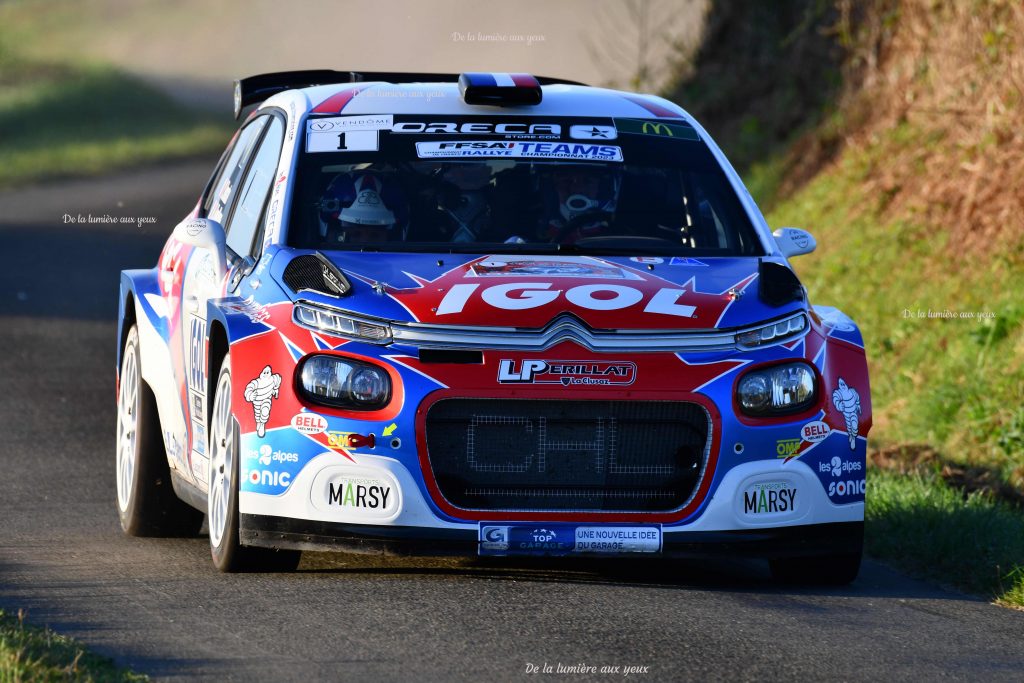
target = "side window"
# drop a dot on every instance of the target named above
(226, 185)
(241, 228)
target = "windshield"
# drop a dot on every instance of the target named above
(514, 185)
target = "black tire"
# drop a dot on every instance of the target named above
(146, 502)
(826, 570)
(228, 554)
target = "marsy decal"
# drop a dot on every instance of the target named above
(847, 401)
(360, 494)
(769, 497)
(261, 392)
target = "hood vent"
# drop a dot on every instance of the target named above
(777, 284)
(314, 273)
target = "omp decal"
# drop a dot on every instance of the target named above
(349, 440)
(847, 401)
(261, 392)
(785, 448)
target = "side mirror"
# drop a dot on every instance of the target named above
(794, 241)
(205, 233)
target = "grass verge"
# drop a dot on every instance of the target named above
(922, 525)
(31, 653)
(64, 119)
(944, 336)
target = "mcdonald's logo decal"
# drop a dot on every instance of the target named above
(662, 129)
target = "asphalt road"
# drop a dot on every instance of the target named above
(159, 606)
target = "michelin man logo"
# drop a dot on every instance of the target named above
(261, 392)
(847, 401)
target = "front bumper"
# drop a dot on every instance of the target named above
(772, 543)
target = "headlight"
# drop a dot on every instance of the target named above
(335, 322)
(773, 333)
(778, 390)
(344, 383)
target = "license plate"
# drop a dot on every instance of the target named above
(560, 539)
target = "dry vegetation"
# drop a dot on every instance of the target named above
(948, 78)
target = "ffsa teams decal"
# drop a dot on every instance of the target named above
(261, 393)
(567, 372)
(519, 150)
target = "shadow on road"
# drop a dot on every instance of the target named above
(714, 575)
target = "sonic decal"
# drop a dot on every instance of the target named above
(847, 401)
(261, 392)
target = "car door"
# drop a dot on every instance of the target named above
(239, 203)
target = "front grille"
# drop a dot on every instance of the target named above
(553, 455)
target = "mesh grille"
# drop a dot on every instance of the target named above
(510, 454)
(313, 272)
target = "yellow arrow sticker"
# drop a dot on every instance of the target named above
(390, 429)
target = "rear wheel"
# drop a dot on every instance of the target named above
(146, 502)
(222, 501)
(827, 570)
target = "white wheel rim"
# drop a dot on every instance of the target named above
(127, 426)
(222, 460)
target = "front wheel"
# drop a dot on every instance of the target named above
(222, 500)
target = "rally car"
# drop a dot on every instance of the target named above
(485, 314)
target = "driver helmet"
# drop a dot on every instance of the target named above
(465, 200)
(585, 189)
(362, 207)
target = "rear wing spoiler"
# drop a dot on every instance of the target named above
(255, 89)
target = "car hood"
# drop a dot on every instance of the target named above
(611, 293)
